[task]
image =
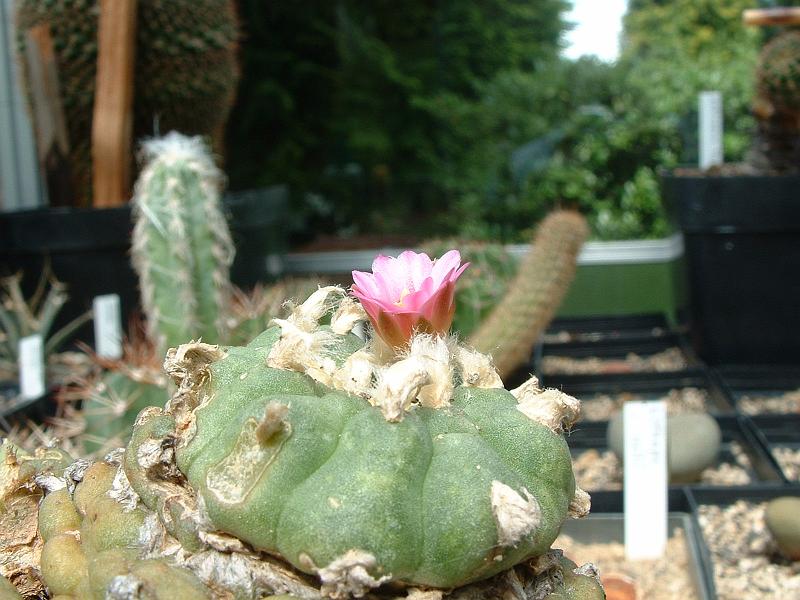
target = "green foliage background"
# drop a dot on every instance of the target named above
(459, 118)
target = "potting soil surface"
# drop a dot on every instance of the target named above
(789, 460)
(666, 578)
(671, 359)
(760, 404)
(602, 407)
(602, 470)
(746, 561)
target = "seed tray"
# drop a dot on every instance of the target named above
(723, 498)
(780, 436)
(737, 438)
(645, 386)
(616, 358)
(605, 525)
(612, 327)
(741, 382)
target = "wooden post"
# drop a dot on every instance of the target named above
(784, 15)
(50, 125)
(112, 124)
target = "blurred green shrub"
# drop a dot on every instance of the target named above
(461, 118)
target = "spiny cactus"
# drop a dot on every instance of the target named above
(483, 285)
(309, 465)
(543, 278)
(185, 77)
(21, 317)
(252, 311)
(182, 249)
(777, 105)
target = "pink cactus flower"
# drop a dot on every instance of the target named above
(409, 293)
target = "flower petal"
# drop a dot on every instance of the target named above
(445, 265)
(366, 283)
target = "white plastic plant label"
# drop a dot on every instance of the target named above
(107, 326)
(645, 466)
(31, 367)
(710, 129)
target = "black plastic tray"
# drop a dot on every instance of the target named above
(737, 380)
(612, 327)
(725, 497)
(774, 431)
(765, 470)
(611, 349)
(649, 386)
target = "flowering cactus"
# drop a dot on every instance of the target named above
(311, 465)
(409, 293)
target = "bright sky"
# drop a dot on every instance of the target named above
(598, 24)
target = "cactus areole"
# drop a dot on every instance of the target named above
(357, 462)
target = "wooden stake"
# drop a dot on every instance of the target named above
(112, 125)
(784, 15)
(50, 124)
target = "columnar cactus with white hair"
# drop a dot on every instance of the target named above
(310, 464)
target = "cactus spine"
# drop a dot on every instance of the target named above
(182, 249)
(777, 105)
(542, 280)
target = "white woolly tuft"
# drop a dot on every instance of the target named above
(437, 353)
(550, 407)
(516, 517)
(175, 147)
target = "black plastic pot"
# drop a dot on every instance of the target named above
(764, 471)
(650, 386)
(761, 380)
(725, 497)
(14, 407)
(89, 249)
(775, 432)
(742, 245)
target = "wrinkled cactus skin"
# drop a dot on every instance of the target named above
(104, 552)
(339, 477)
(310, 465)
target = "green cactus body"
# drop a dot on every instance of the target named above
(543, 278)
(182, 250)
(340, 477)
(777, 105)
(309, 465)
(185, 75)
(90, 547)
(8, 591)
(439, 495)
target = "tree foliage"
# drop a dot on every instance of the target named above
(345, 99)
(461, 118)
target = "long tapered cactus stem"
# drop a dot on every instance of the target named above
(182, 248)
(544, 276)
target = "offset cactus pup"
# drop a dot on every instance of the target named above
(783, 521)
(313, 465)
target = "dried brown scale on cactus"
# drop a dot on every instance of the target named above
(250, 461)
(543, 278)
